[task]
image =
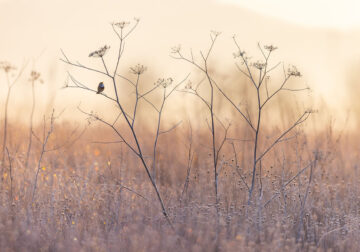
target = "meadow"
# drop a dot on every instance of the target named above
(236, 167)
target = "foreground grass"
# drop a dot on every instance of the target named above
(96, 197)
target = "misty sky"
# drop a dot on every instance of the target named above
(320, 37)
(341, 14)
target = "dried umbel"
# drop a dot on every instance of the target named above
(92, 117)
(6, 66)
(189, 85)
(176, 49)
(292, 71)
(100, 53)
(270, 48)
(121, 24)
(259, 65)
(34, 76)
(239, 54)
(138, 69)
(164, 82)
(215, 33)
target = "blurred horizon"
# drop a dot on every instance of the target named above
(36, 31)
(255, 149)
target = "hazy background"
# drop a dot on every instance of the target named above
(77, 188)
(321, 38)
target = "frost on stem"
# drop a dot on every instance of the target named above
(100, 53)
(138, 69)
(163, 82)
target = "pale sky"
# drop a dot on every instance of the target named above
(342, 14)
(320, 37)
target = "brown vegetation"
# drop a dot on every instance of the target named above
(138, 178)
(95, 197)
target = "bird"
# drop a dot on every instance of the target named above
(101, 88)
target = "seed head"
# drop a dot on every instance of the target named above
(270, 48)
(34, 76)
(121, 24)
(292, 71)
(164, 82)
(215, 33)
(6, 66)
(100, 53)
(259, 65)
(138, 69)
(188, 85)
(239, 54)
(176, 49)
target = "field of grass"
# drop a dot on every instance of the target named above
(221, 172)
(96, 197)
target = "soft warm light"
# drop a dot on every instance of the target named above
(321, 13)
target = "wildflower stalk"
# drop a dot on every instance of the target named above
(6, 116)
(11, 175)
(263, 71)
(259, 83)
(33, 78)
(177, 54)
(43, 150)
(8, 68)
(120, 31)
(165, 95)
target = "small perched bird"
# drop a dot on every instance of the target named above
(101, 88)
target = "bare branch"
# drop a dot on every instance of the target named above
(237, 167)
(107, 142)
(247, 119)
(77, 64)
(273, 68)
(111, 126)
(288, 182)
(301, 119)
(68, 142)
(102, 59)
(136, 99)
(172, 128)
(246, 63)
(262, 51)
(275, 92)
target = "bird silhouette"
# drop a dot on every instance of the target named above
(101, 88)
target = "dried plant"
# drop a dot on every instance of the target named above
(122, 32)
(8, 68)
(244, 182)
(262, 69)
(34, 77)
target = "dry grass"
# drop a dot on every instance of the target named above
(223, 181)
(96, 197)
